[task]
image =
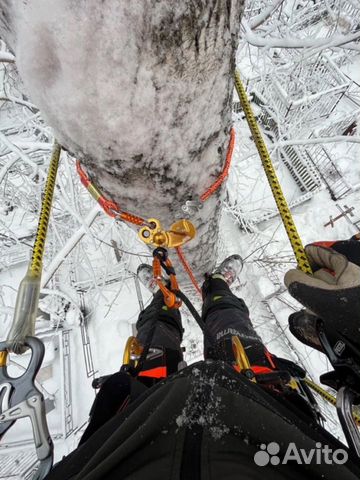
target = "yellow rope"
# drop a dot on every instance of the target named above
(327, 396)
(274, 183)
(35, 266)
(27, 298)
(283, 208)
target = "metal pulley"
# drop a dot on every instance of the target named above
(179, 233)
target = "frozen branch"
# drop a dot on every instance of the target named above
(290, 42)
(33, 146)
(65, 295)
(19, 101)
(314, 141)
(255, 22)
(7, 57)
(12, 148)
(70, 245)
(6, 168)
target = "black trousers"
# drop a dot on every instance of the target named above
(224, 315)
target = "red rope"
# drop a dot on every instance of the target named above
(218, 182)
(225, 171)
(188, 269)
(111, 208)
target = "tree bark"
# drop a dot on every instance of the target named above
(141, 92)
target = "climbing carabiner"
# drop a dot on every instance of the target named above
(161, 260)
(20, 398)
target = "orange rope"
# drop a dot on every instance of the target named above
(188, 269)
(111, 208)
(225, 171)
(203, 198)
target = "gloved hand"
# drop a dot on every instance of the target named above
(332, 294)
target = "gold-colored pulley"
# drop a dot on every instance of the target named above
(179, 233)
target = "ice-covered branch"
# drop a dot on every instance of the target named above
(290, 42)
(12, 148)
(70, 245)
(66, 295)
(19, 101)
(314, 141)
(255, 22)
(7, 57)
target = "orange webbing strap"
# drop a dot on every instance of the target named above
(269, 357)
(325, 243)
(225, 171)
(188, 270)
(157, 372)
(261, 370)
(110, 207)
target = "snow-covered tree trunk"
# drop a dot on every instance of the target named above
(140, 91)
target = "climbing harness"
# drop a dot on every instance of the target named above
(28, 293)
(273, 180)
(19, 398)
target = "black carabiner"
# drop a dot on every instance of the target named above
(19, 398)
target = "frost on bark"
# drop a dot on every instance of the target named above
(140, 91)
